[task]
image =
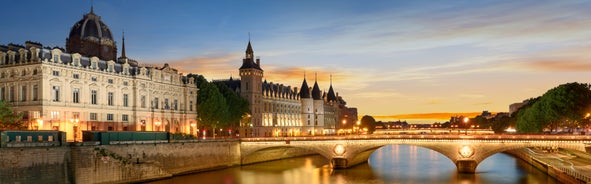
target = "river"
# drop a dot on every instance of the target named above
(389, 164)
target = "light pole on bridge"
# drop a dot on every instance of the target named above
(466, 119)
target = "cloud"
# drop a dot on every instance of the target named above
(427, 116)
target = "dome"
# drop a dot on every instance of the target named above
(92, 37)
(91, 27)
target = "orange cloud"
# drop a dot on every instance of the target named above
(427, 116)
(575, 66)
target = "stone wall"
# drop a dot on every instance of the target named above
(35, 165)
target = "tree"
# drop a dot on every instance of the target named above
(9, 120)
(237, 106)
(368, 122)
(212, 108)
(564, 105)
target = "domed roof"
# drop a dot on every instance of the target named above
(91, 27)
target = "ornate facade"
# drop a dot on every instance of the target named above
(280, 110)
(77, 90)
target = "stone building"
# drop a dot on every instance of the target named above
(86, 88)
(281, 110)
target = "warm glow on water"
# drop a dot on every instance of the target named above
(389, 164)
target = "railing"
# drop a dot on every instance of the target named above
(432, 137)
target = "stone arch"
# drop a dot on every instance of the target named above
(257, 153)
(485, 153)
(362, 155)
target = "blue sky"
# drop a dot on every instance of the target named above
(387, 57)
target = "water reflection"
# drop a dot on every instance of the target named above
(389, 164)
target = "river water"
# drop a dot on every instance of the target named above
(389, 164)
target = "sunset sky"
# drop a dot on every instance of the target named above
(386, 57)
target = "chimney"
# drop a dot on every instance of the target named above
(258, 61)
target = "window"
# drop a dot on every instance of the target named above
(94, 65)
(55, 58)
(174, 106)
(76, 61)
(76, 95)
(190, 105)
(93, 78)
(110, 69)
(35, 92)
(56, 73)
(76, 115)
(125, 99)
(56, 93)
(124, 117)
(166, 104)
(246, 86)
(55, 115)
(110, 81)
(93, 116)
(110, 99)
(109, 117)
(155, 105)
(24, 93)
(2, 93)
(125, 83)
(76, 76)
(35, 72)
(143, 101)
(93, 97)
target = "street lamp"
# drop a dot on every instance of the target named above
(466, 119)
(344, 123)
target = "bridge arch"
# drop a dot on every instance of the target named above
(466, 152)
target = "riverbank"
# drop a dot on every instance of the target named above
(566, 166)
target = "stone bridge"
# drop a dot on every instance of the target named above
(466, 151)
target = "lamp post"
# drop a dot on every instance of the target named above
(466, 119)
(344, 123)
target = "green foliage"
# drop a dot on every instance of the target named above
(564, 105)
(368, 122)
(9, 120)
(237, 106)
(212, 108)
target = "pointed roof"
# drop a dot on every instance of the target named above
(123, 46)
(316, 93)
(331, 95)
(249, 48)
(305, 90)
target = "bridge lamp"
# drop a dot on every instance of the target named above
(466, 119)
(339, 149)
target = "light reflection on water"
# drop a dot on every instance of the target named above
(389, 164)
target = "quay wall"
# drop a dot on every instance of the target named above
(563, 175)
(114, 163)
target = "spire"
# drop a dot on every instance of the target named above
(91, 7)
(249, 51)
(123, 46)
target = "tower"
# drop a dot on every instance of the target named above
(308, 119)
(318, 107)
(251, 77)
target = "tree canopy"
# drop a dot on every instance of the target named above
(218, 105)
(565, 105)
(368, 122)
(9, 120)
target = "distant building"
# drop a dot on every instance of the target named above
(86, 88)
(516, 106)
(281, 110)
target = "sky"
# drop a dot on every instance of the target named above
(388, 58)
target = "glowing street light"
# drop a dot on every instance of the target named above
(466, 119)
